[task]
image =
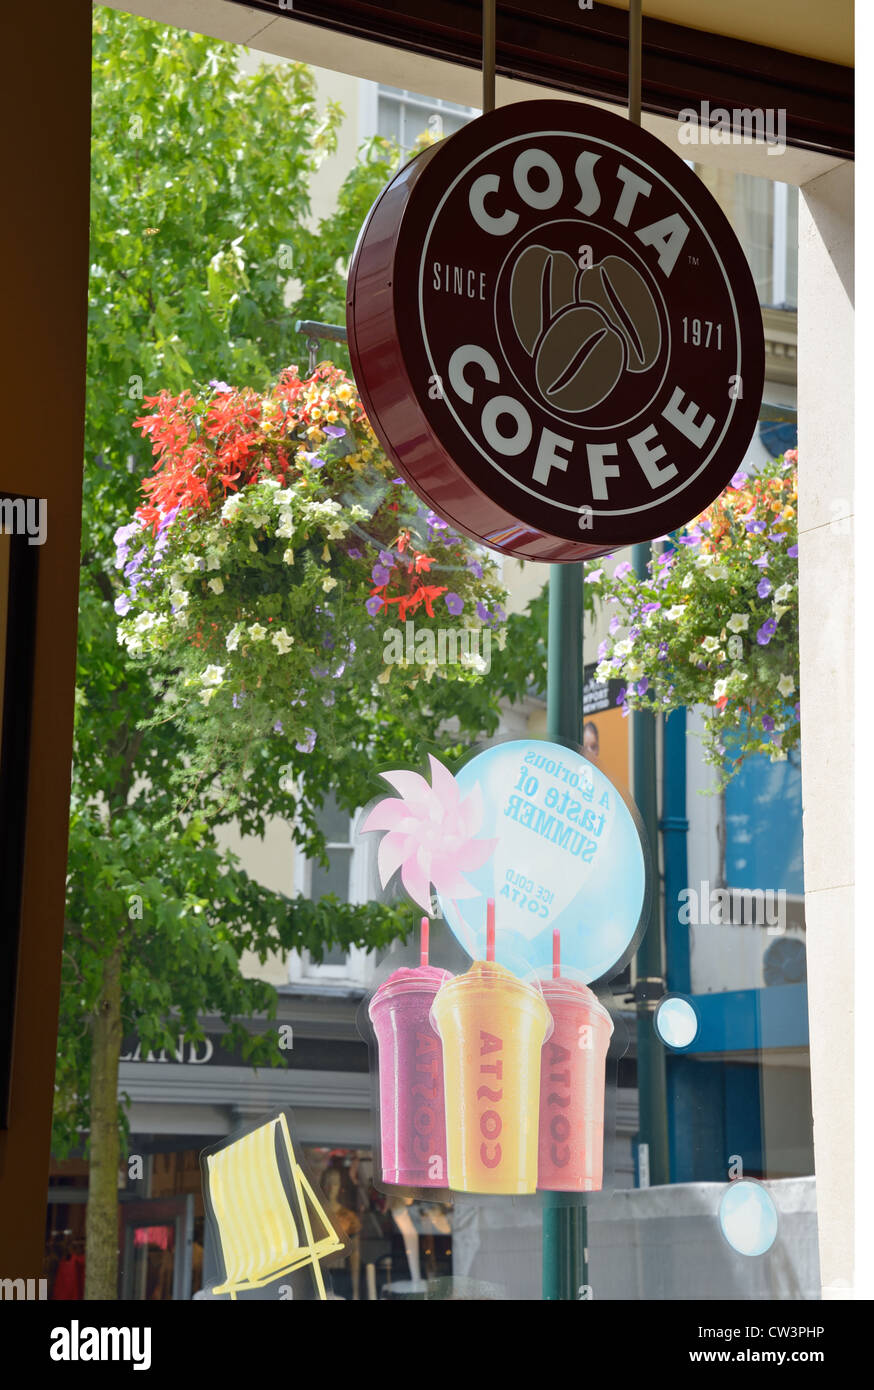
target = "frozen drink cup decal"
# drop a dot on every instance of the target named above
(492, 1026)
(412, 1117)
(571, 1142)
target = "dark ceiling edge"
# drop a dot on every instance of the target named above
(584, 52)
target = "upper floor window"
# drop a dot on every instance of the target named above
(342, 877)
(403, 116)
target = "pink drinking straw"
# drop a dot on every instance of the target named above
(423, 941)
(490, 929)
(556, 954)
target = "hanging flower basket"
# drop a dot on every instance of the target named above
(715, 621)
(277, 569)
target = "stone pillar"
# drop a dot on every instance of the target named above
(826, 545)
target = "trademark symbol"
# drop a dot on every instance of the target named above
(693, 260)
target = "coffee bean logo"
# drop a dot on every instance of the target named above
(583, 325)
(543, 283)
(580, 359)
(621, 293)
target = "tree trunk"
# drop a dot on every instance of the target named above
(101, 1231)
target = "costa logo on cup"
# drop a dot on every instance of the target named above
(555, 332)
(490, 1097)
(427, 1093)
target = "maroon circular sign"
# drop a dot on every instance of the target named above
(555, 332)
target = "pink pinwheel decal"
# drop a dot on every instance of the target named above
(431, 834)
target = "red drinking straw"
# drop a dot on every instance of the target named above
(556, 953)
(490, 929)
(423, 941)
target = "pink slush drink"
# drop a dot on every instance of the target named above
(411, 1105)
(571, 1141)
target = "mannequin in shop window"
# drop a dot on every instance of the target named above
(347, 1224)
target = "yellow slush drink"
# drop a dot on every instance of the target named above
(492, 1026)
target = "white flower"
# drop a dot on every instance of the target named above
(271, 483)
(329, 584)
(288, 556)
(213, 675)
(257, 632)
(779, 610)
(710, 644)
(623, 648)
(232, 641)
(213, 561)
(216, 585)
(738, 622)
(144, 621)
(717, 572)
(783, 593)
(720, 689)
(634, 670)
(677, 611)
(190, 562)
(179, 598)
(786, 685)
(231, 506)
(285, 529)
(337, 530)
(281, 641)
(688, 581)
(284, 499)
(603, 671)
(704, 559)
(206, 695)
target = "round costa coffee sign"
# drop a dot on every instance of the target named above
(555, 333)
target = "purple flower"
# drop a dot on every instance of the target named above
(766, 632)
(634, 632)
(614, 626)
(167, 520)
(691, 539)
(797, 709)
(739, 479)
(650, 607)
(373, 605)
(792, 552)
(632, 689)
(594, 577)
(309, 742)
(386, 558)
(328, 642)
(643, 685)
(755, 528)
(237, 700)
(482, 612)
(122, 605)
(338, 670)
(354, 553)
(436, 523)
(398, 480)
(454, 604)
(277, 727)
(313, 460)
(220, 385)
(335, 431)
(704, 525)
(663, 651)
(762, 562)
(380, 575)
(498, 614)
(475, 567)
(602, 650)
(667, 559)
(763, 588)
(620, 698)
(319, 672)
(622, 569)
(767, 723)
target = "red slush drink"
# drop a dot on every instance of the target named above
(411, 1105)
(571, 1140)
